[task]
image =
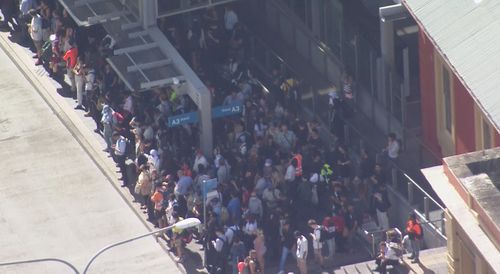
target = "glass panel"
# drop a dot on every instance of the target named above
(364, 67)
(333, 26)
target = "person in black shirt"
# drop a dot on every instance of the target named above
(365, 166)
(351, 224)
(288, 242)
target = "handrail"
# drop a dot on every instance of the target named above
(42, 260)
(423, 191)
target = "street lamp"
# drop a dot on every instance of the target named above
(184, 224)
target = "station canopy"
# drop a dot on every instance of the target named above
(138, 58)
(174, 7)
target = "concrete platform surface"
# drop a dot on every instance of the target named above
(54, 201)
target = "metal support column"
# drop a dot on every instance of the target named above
(148, 10)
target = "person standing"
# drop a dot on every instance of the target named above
(317, 242)
(80, 82)
(219, 245)
(71, 59)
(288, 243)
(237, 252)
(260, 246)
(301, 253)
(107, 123)
(414, 231)
(36, 34)
(120, 156)
(392, 149)
(89, 73)
(380, 202)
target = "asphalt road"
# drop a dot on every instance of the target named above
(54, 201)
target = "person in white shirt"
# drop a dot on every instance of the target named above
(36, 34)
(89, 73)
(80, 81)
(317, 244)
(218, 244)
(291, 171)
(301, 253)
(120, 156)
(199, 159)
(128, 105)
(392, 148)
(388, 255)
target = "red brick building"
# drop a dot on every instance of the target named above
(459, 73)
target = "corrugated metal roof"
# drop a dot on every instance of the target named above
(467, 33)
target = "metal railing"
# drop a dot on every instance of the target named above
(377, 236)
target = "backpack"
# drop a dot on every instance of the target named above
(225, 247)
(236, 232)
(325, 235)
(46, 52)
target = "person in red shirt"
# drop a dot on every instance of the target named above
(339, 223)
(414, 231)
(71, 57)
(157, 200)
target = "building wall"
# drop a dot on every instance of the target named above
(463, 257)
(469, 126)
(428, 92)
(464, 119)
(445, 132)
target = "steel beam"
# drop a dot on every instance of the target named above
(162, 82)
(149, 65)
(135, 48)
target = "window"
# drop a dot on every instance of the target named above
(486, 135)
(447, 99)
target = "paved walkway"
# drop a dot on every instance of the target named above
(58, 194)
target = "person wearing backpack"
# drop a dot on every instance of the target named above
(237, 252)
(221, 248)
(317, 240)
(415, 233)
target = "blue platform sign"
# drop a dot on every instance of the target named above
(228, 110)
(182, 119)
(209, 185)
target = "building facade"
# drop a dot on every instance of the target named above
(459, 105)
(468, 186)
(452, 122)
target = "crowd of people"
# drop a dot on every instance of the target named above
(280, 189)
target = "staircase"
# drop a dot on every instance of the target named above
(366, 268)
